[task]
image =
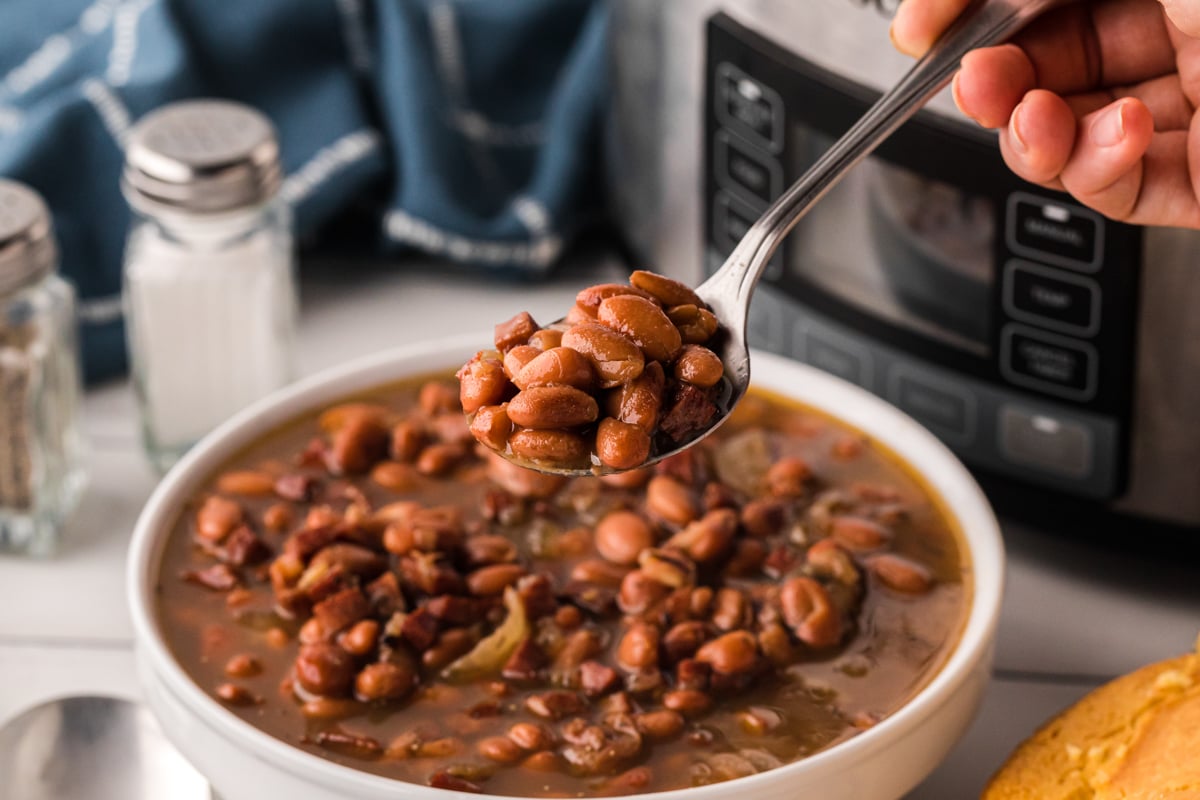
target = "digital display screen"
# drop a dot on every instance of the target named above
(901, 247)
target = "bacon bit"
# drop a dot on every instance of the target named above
(218, 577)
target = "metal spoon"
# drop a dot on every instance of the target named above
(729, 290)
(92, 748)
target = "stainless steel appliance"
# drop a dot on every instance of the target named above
(1056, 351)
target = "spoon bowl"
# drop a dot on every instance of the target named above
(92, 748)
(730, 289)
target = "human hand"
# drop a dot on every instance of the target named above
(1097, 99)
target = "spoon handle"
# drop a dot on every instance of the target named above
(983, 23)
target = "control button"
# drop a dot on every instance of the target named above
(1057, 233)
(1050, 443)
(1053, 364)
(1051, 298)
(747, 172)
(753, 109)
(945, 409)
(732, 218)
(833, 354)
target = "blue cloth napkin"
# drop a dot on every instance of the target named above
(465, 128)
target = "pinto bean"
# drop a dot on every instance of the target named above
(639, 647)
(521, 482)
(810, 613)
(234, 695)
(696, 325)
(358, 444)
(683, 640)
(243, 665)
(518, 358)
(491, 426)
(440, 459)
(546, 339)
(686, 701)
(591, 297)
(559, 365)
(394, 476)
(500, 749)
(545, 407)
(247, 482)
(732, 610)
(734, 653)
(622, 535)
(599, 573)
(492, 580)
(639, 593)
(217, 518)
(620, 445)
(384, 681)
(615, 357)
(660, 724)
(324, 668)
(437, 397)
(639, 402)
(699, 366)
(789, 477)
(556, 447)
(408, 439)
(857, 533)
(531, 736)
(644, 323)
(901, 574)
(671, 501)
(668, 567)
(669, 292)
(709, 537)
(360, 639)
(764, 517)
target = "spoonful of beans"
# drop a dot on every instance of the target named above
(636, 373)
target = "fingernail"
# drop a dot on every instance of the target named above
(1016, 138)
(1108, 129)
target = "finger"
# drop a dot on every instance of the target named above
(918, 23)
(1105, 169)
(1169, 189)
(1185, 14)
(1110, 42)
(992, 82)
(1163, 96)
(1037, 141)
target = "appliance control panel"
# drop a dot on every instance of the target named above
(998, 313)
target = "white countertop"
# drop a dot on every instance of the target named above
(1073, 616)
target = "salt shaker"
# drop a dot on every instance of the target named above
(209, 286)
(41, 474)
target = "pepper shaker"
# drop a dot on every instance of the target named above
(209, 287)
(41, 475)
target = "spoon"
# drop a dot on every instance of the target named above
(729, 290)
(92, 748)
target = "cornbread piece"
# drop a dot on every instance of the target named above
(1136, 738)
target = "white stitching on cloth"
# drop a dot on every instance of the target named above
(532, 213)
(110, 108)
(539, 252)
(478, 128)
(327, 161)
(125, 40)
(56, 49)
(354, 35)
(100, 310)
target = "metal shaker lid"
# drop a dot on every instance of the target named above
(201, 156)
(27, 249)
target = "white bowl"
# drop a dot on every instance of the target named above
(882, 763)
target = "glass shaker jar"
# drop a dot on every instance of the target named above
(41, 475)
(209, 287)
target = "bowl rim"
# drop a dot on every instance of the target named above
(941, 472)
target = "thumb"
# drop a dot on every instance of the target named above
(1184, 14)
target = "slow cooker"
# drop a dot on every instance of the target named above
(1056, 351)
